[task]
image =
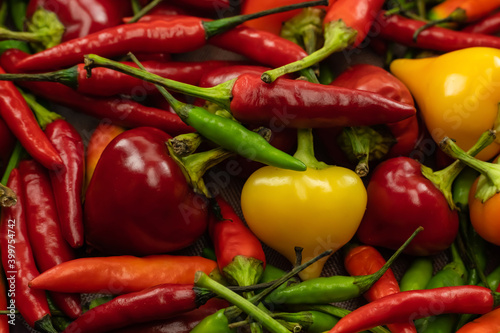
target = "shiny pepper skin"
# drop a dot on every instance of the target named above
(457, 94)
(400, 199)
(138, 201)
(314, 209)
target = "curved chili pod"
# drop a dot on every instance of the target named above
(120, 111)
(67, 185)
(49, 247)
(155, 303)
(18, 261)
(23, 124)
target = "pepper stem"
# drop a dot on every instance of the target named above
(443, 179)
(457, 16)
(305, 29)
(14, 159)
(68, 77)
(220, 94)
(8, 197)
(215, 27)
(43, 116)
(489, 181)
(44, 30)
(305, 149)
(338, 37)
(144, 10)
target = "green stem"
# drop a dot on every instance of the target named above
(136, 6)
(68, 77)
(220, 94)
(202, 280)
(15, 157)
(143, 11)
(443, 179)
(457, 16)
(305, 29)
(338, 37)
(489, 181)
(305, 149)
(43, 116)
(18, 12)
(8, 197)
(215, 27)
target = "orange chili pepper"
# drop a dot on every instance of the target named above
(487, 323)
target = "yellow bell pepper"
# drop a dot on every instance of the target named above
(318, 209)
(458, 94)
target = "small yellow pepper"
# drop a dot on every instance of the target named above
(318, 209)
(458, 94)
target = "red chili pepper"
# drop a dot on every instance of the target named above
(172, 36)
(364, 260)
(20, 119)
(239, 252)
(83, 17)
(67, 184)
(18, 262)
(182, 323)
(167, 220)
(120, 111)
(358, 15)
(106, 82)
(401, 30)
(121, 274)
(49, 247)
(489, 25)
(156, 303)
(415, 304)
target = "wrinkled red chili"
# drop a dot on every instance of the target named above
(18, 262)
(160, 302)
(67, 184)
(49, 247)
(120, 111)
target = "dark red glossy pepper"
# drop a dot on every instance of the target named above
(489, 25)
(160, 302)
(133, 210)
(83, 17)
(67, 184)
(18, 262)
(49, 247)
(106, 82)
(401, 30)
(410, 305)
(288, 103)
(120, 111)
(364, 260)
(22, 122)
(239, 252)
(182, 323)
(173, 36)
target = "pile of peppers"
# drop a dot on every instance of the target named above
(278, 166)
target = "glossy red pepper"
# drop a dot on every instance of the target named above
(173, 36)
(410, 305)
(144, 207)
(49, 247)
(239, 252)
(121, 274)
(18, 262)
(400, 199)
(67, 185)
(83, 17)
(160, 302)
(182, 323)
(399, 29)
(106, 82)
(364, 260)
(22, 122)
(120, 111)
(489, 25)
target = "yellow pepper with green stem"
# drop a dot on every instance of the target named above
(458, 94)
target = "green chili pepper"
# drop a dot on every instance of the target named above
(493, 278)
(18, 13)
(417, 275)
(310, 321)
(452, 274)
(324, 290)
(217, 322)
(13, 44)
